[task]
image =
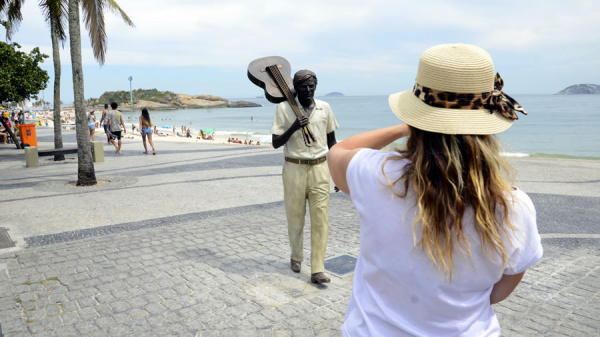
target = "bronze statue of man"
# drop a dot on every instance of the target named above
(305, 172)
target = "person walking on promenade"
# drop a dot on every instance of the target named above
(146, 130)
(104, 121)
(305, 173)
(92, 124)
(444, 235)
(115, 121)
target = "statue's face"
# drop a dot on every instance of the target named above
(306, 89)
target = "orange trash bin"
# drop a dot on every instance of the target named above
(28, 136)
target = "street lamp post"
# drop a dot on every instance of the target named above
(130, 92)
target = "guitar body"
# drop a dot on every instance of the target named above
(258, 74)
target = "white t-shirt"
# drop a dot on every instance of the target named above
(396, 289)
(321, 122)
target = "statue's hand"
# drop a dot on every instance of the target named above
(302, 121)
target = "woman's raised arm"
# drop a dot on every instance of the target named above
(342, 153)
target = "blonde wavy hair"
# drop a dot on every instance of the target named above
(450, 173)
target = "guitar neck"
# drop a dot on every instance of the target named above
(278, 77)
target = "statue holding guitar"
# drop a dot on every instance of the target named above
(305, 172)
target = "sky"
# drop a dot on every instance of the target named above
(355, 47)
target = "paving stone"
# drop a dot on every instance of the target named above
(119, 306)
(53, 310)
(104, 298)
(137, 313)
(86, 302)
(70, 306)
(69, 318)
(66, 331)
(50, 323)
(120, 330)
(89, 313)
(35, 315)
(137, 302)
(121, 318)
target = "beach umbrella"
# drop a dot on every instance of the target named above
(166, 126)
(209, 131)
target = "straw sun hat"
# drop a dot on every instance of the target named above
(457, 91)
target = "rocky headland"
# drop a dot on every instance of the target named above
(153, 99)
(581, 89)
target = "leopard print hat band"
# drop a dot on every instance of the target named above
(496, 100)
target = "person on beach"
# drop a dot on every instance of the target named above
(92, 124)
(305, 173)
(444, 235)
(103, 121)
(115, 121)
(4, 133)
(146, 130)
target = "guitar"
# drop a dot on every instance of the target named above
(273, 75)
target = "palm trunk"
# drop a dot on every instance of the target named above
(56, 58)
(85, 172)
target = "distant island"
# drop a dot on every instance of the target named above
(581, 89)
(154, 99)
(334, 94)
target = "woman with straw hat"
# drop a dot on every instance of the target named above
(444, 235)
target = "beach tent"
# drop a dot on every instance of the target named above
(166, 126)
(209, 131)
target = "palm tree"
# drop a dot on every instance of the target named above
(56, 12)
(93, 16)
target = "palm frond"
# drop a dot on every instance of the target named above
(13, 16)
(3, 4)
(59, 9)
(93, 17)
(115, 8)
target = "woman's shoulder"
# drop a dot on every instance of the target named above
(373, 157)
(521, 201)
(377, 163)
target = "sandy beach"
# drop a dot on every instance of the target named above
(164, 135)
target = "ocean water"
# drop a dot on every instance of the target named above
(556, 126)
